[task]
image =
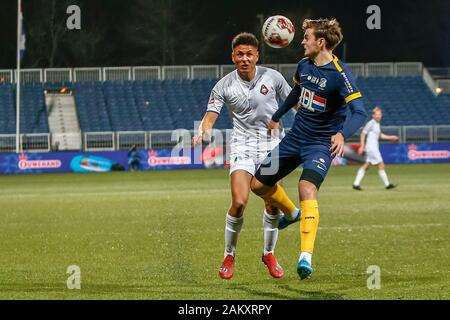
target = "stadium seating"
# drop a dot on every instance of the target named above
(405, 101)
(7, 109)
(33, 115)
(91, 105)
(172, 104)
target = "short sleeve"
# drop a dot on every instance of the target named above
(216, 100)
(282, 86)
(367, 127)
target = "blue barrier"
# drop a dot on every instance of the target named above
(415, 153)
(168, 159)
(54, 162)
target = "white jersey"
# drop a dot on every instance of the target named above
(251, 103)
(372, 131)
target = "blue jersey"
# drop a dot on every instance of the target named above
(325, 93)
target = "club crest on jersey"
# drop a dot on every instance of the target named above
(322, 82)
(264, 90)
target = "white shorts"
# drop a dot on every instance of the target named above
(248, 156)
(373, 156)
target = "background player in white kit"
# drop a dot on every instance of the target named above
(252, 95)
(371, 147)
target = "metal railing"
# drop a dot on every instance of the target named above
(87, 74)
(146, 73)
(123, 140)
(99, 141)
(176, 72)
(439, 73)
(191, 72)
(6, 76)
(31, 142)
(117, 73)
(357, 69)
(443, 85)
(126, 139)
(29, 75)
(8, 143)
(57, 75)
(205, 72)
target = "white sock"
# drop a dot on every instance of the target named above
(291, 216)
(383, 177)
(270, 224)
(359, 177)
(305, 255)
(233, 226)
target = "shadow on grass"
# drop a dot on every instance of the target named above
(293, 293)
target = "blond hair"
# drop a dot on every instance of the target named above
(328, 29)
(376, 109)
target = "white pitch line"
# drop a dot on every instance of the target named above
(382, 226)
(110, 194)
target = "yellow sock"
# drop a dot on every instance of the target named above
(309, 223)
(279, 199)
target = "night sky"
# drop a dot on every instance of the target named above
(165, 32)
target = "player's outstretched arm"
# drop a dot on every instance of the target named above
(290, 102)
(362, 143)
(392, 138)
(207, 124)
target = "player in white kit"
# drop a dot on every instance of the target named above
(252, 94)
(370, 146)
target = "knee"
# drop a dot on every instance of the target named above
(308, 191)
(257, 187)
(239, 204)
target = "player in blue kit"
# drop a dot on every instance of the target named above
(325, 90)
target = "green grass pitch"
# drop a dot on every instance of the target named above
(160, 235)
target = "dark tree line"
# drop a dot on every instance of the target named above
(175, 32)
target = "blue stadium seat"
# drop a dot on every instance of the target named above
(33, 114)
(172, 104)
(404, 100)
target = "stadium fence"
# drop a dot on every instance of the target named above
(121, 140)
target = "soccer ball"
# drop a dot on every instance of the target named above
(278, 31)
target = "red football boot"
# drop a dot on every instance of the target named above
(227, 269)
(271, 262)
